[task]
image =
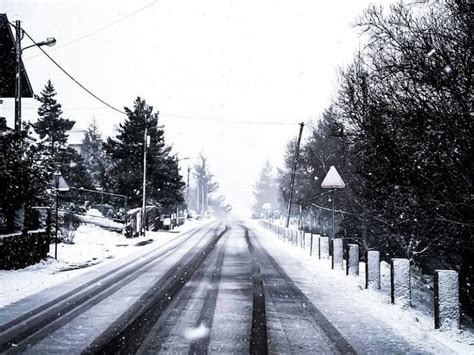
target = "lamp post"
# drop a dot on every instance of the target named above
(187, 191)
(146, 144)
(333, 181)
(50, 41)
(59, 185)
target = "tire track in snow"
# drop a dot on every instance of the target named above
(338, 341)
(206, 316)
(24, 331)
(258, 335)
(128, 333)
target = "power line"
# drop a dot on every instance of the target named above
(193, 118)
(179, 117)
(100, 29)
(72, 78)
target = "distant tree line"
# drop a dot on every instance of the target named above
(204, 195)
(400, 133)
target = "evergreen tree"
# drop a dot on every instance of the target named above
(96, 160)
(51, 127)
(206, 183)
(24, 175)
(265, 190)
(164, 183)
(53, 130)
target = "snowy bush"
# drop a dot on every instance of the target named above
(69, 226)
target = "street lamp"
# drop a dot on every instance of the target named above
(50, 41)
(187, 191)
(333, 181)
(59, 185)
(146, 144)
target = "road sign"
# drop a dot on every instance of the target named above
(333, 180)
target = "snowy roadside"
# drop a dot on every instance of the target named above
(93, 247)
(416, 322)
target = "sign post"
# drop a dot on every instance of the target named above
(59, 185)
(333, 181)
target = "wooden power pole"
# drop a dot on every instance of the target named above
(293, 173)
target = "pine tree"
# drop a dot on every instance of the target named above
(265, 190)
(24, 174)
(206, 184)
(53, 132)
(164, 183)
(51, 127)
(96, 160)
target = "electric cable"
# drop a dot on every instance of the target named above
(72, 78)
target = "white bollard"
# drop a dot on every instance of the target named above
(337, 254)
(307, 243)
(400, 282)
(446, 299)
(372, 270)
(316, 245)
(323, 247)
(352, 266)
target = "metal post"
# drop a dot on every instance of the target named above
(144, 179)
(292, 184)
(333, 209)
(203, 201)
(18, 76)
(177, 215)
(57, 222)
(197, 196)
(187, 192)
(126, 211)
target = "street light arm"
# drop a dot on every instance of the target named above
(50, 41)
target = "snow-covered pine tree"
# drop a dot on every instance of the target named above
(96, 160)
(51, 127)
(23, 173)
(164, 183)
(265, 190)
(53, 130)
(206, 183)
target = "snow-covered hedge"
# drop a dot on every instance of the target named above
(22, 249)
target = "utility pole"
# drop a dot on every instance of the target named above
(295, 164)
(18, 76)
(203, 199)
(187, 191)
(197, 196)
(145, 139)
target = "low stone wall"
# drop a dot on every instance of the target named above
(18, 250)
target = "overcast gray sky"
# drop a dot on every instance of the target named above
(200, 63)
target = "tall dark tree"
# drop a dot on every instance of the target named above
(51, 127)
(407, 105)
(164, 183)
(52, 130)
(24, 175)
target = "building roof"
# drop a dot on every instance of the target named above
(8, 63)
(76, 136)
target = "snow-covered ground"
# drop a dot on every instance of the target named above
(417, 321)
(93, 247)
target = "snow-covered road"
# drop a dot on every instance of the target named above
(224, 287)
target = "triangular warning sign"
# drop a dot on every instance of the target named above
(333, 180)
